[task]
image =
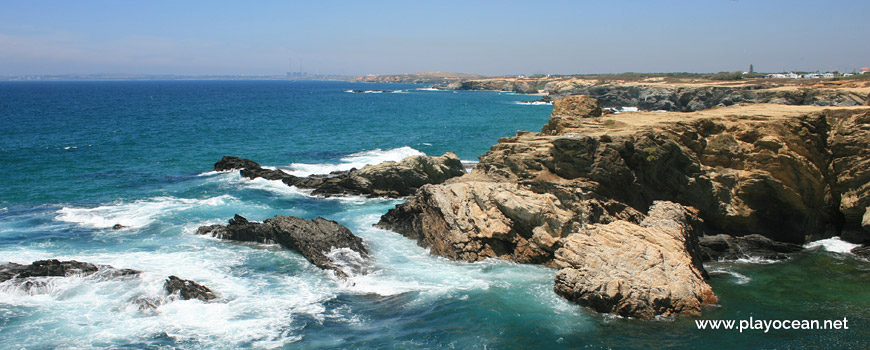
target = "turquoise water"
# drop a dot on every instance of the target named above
(79, 157)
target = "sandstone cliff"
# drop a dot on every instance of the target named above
(789, 173)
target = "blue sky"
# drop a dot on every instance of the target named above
(385, 37)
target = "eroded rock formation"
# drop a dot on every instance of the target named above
(644, 270)
(791, 174)
(388, 179)
(315, 239)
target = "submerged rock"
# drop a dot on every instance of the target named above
(314, 239)
(388, 179)
(636, 270)
(187, 289)
(727, 247)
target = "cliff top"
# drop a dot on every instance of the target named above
(629, 122)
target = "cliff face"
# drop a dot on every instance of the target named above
(696, 98)
(523, 86)
(685, 97)
(789, 173)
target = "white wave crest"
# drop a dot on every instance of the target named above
(533, 103)
(355, 160)
(135, 214)
(833, 244)
(741, 278)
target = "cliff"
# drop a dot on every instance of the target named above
(523, 86)
(696, 97)
(789, 173)
(418, 78)
(659, 95)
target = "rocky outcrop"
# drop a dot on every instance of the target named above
(695, 98)
(57, 268)
(523, 86)
(233, 163)
(570, 112)
(315, 239)
(642, 270)
(27, 276)
(187, 289)
(727, 247)
(388, 179)
(772, 170)
(783, 177)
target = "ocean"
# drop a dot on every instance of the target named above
(77, 158)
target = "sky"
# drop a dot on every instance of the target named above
(392, 37)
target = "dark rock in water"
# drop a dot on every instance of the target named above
(118, 227)
(726, 247)
(56, 268)
(188, 289)
(46, 268)
(862, 251)
(388, 179)
(393, 179)
(314, 239)
(232, 163)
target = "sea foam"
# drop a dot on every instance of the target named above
(135, 214)
(833, 244)
(355, 160)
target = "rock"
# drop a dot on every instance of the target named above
(314, 239)
(393, 179)
(388, 179)
(569, 112)
(233, 163)
(636, 270)
(576, 106)
(188, 289)
(27, 277)
(862, 251)
(865, 220)
(118, 227)
(473, 221)
(726, 247)
(56, 268)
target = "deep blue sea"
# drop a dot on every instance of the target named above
(77, 158)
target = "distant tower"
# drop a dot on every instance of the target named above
(751, 69)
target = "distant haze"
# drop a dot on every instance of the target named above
(389, 37)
